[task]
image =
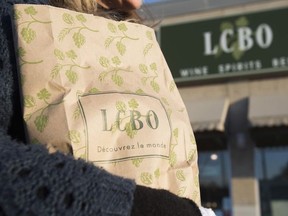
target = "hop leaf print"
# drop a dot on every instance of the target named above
(155, 86)
(59, 54)
(120, 106)
(67, 18)
(226, 25)
(93, 91)
(237, 53)
(79, 39)
(28, 34)
(153, 67)
(41, 122)
(173, 158)
(112, 28)
(21, 52)
(69, 68)
(29, 101)
(137, 162)
(129, 130)
(108, 41)
(81, 18)
(63, 33)
(191, 155)
(121, 48)
(17, 14)
(43, 94)
(102, 76)
(196, 182)
(71, 55)
(133, 104)
(72, 76)
(172, 86)
(176, 132)
(157, 173)
(143, 68)
(146, 178)
(149, 35)
(147, 48)
(118, 80)
(140, 92)
(122, 27)
(104, 62)
(77, 25)
(242, 21)
(180, 175)
(30, 10)
(165, 101)
(181, 191)
(116, 60)
(74, 136)
(55, 71)
(152, 77)
(76, 113)
(112, 70)
(120, 35)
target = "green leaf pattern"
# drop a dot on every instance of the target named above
(173, 155)
(119, 35)
(123, 107)
(29, 101)
(146, 178)
(27, 32)
(68, 63)
(180, 175)
(42, 119)
(22, 60)
(77, 25)
(157, 173)
(74, 136)
(112, 69)
(152, 75)
(137, 162)
(41, 122)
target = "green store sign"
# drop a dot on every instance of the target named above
(232, 46)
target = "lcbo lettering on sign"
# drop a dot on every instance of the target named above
(263, 37)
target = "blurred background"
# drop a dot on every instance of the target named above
(229, 59)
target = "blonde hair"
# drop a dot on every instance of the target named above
(91, 7)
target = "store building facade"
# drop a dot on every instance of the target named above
(231, 67)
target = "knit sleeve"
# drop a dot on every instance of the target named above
(10, 108)
(34, 182)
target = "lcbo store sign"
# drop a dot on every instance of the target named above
(247, 44)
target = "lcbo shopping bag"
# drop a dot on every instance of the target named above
(102, 90)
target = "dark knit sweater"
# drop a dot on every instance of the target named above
(34, 182)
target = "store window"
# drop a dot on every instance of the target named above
(214, 172)
(272, 171)
(271, 159)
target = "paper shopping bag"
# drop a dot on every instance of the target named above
(102, 90)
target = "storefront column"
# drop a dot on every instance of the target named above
(244, 184)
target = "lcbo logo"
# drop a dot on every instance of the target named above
(132, 119)
(244, 37)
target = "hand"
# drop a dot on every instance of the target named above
(125, 5)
